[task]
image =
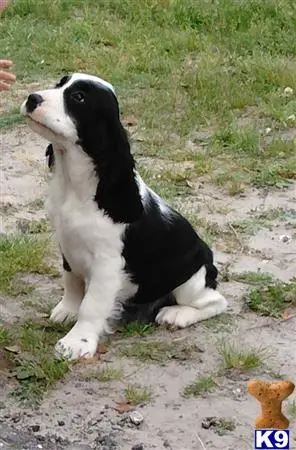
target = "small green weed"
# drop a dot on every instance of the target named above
(234, 357)
(161, 352)
(221, 322)
(4, 336)
(271, 300)
(292, 409)
(252, 277)
(136, 395)
(200, 386)
(107, 373)
(137, 329)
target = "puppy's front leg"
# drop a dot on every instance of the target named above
(96, 307)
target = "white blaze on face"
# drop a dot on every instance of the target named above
(50, 119)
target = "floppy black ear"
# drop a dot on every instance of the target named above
(49, 156)
(118, 191)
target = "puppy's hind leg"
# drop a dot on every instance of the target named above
(196, 301)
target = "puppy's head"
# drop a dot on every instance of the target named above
(81, 114)
(73, 109)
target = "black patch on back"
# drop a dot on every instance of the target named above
(103, 138)
(161, 253)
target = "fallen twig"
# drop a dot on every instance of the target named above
(201, 442)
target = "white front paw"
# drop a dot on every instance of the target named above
(76, 344)
(64, 310)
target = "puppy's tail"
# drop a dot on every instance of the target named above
(136, 310)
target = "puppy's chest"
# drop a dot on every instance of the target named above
(85, 234)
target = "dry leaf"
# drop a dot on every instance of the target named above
(122, 407)
(91, 360)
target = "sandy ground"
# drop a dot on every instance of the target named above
(79, 413)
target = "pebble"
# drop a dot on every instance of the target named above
(138, 447)
(288, 91)
(136, 418)
(35, 428)
(61, 423)
(285, 238)
(94, 422)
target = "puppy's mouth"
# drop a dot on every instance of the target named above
(38, 126)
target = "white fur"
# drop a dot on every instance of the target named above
(195, 301)
(92, 245)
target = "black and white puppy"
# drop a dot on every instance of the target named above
(126, 253)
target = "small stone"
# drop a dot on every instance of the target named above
(285, 238)
(292, 117)
(136, 418)
(208, 422)
(16, 418)
(268, 130)
(166, 444)
(35, 428)
(288, 91)
(94, 422)
(61, 423)
(138, 447)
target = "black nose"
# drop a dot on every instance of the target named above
(33, 101)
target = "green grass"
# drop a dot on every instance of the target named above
(237, 357)
(252, 277)
(178, 68)
(292, 409)
(223, 322)
(200, 386)
(271, 300)
(30, 347)
(105, 374)
(137, 329)
(136, 395)
(22, 254)
(4, 336)
(159, 351)
(11, 118)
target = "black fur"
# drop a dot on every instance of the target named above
(66, 265)
(50, 156)
(104, 139)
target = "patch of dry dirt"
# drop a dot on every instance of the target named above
(79, 413)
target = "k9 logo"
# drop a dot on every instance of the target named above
(272, 439)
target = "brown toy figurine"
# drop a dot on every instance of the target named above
(271, 395)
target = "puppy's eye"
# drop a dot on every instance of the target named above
(78, 97)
